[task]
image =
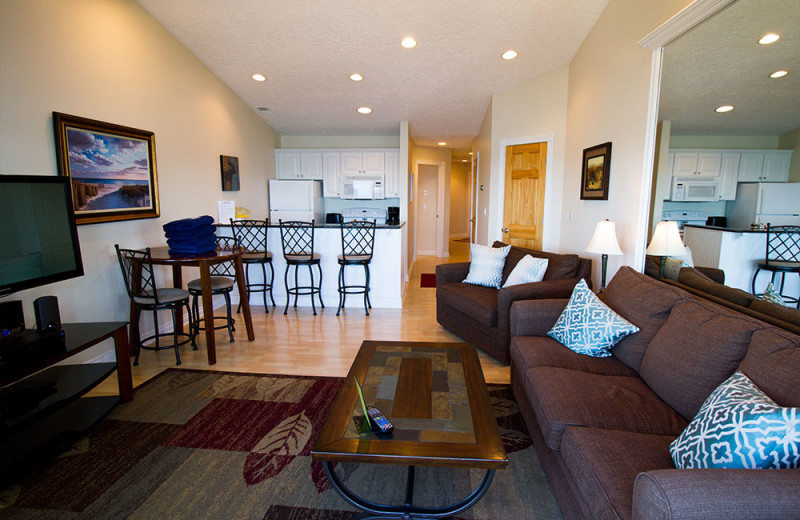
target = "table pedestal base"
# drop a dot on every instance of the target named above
(407, 510)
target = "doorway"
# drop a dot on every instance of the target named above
(523, 206)
(428, 212)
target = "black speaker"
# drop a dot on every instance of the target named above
(12, 319)
(46, 311)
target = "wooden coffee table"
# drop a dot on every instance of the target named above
(436, 398)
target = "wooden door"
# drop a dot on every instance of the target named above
(523, 213)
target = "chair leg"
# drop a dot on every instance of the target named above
(367, 304)
(271, 281)
(138, 345)
(228, 314)
(319, 286)
(194, 321)
(155, 323)
(753, 285)
(296, 283)
(311, 290)
(246, 286)
(340, 288)
(175, 334)
(264, 287)
(286, 284)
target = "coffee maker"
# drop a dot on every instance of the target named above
(393, 218)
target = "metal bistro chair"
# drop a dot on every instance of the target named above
(358, 239)
(297, 239)
(223, 279)
(140, 282)
(783, 256)
(252, 237)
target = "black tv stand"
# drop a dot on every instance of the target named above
(42, 403)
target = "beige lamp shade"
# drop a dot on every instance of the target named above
(604, 240)
(666, 240)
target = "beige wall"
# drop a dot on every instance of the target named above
(340, 141)
(443, 155)
(109, 60)
(533, 111)
(609, 85)
(482, 150)
(725, 142)
(791, 141)
(459, 199)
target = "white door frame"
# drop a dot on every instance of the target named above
(442, 249)
(549, 242)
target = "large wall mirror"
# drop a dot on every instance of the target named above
(720, 62)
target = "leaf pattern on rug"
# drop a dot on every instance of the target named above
(319, 477)
(277, 449)
(504, 407)
(9, 495)
(514, 440)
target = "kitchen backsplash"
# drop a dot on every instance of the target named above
(333, 205)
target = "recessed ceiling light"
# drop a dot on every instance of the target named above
(510, 54)
(779, 74)
(723, 109)
(463, 160)
(364, 110)
(470, 153)
(442, 143)
(356, 76)
(769, 38)
(409, 42)
(259, 77)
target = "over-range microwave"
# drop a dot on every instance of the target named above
(360, 186)
(694, 189)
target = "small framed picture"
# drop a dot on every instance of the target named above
(596, 170)
(230, 172)
(112, 169)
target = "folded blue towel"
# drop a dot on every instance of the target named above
(188, 224)
(192, 247)
(209, 242)
(197, 234)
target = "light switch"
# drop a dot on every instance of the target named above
(425, 192)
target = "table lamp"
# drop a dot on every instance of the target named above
(666, 242)
(604, 242)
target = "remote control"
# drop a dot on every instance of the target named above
(377, 418)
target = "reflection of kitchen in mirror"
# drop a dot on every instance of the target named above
(710, 163)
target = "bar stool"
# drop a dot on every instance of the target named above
(782, 256)
(140, 282)
(358, 239)
(251, 236)
(297, 239)
(223, 279)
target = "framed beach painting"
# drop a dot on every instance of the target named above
(596, 169)
(112, 169)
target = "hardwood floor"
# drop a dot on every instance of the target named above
(325, 345)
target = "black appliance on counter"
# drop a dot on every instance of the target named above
(393, 216)
(717, 221)
(333, 218)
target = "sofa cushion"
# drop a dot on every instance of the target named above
(699, 347)
(646, 303)
(605, 464)
(773, 364)
(527, 270)
(476, 301)
(539, 351)
(563, 397)
(780, 312)
(558, 266)
(699, 281)
(486, 265)
(588, 326)
(739, 427)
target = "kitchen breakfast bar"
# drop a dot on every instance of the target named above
(387, 273)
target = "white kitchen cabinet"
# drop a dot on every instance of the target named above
(765, 166)
(355, 163)
(751, 166)
(729, 175)
(330, 174)
(294, 164)
(392, 179)
(697, 164)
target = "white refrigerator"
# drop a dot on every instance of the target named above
(776, 203)
(295, 200)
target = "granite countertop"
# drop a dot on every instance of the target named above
(331, 226)
(729, 230)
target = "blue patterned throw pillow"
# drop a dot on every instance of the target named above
(739, 427)
(527, 270)
(589, 326)
(772, 295)
(486, 265)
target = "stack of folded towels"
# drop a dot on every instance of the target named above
(191, 235)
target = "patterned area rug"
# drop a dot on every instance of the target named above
(199, 444)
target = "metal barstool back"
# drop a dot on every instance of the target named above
(297, 238)
(140, 283)
(782, 256)
(223, 280)
(252, 238)
(358, 241)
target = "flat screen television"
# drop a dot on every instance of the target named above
(38, 238)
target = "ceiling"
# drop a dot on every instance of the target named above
(721, 62)
(307, 49)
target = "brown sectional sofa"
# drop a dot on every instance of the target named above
(480, 314)
(602, 426)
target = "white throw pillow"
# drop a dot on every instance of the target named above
(486, 265)
(529, 269)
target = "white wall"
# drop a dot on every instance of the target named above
(482, 149)
(340, 141)
(609, 85)
(459, 199)
(109, 60)
(443, 155)
(534, 109)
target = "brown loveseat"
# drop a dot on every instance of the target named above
(479, 314)
(602, 426)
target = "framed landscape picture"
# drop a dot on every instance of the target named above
(229, 166)
(112, 169)
(596, 169)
